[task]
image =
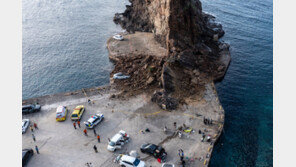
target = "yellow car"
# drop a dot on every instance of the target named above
(77, 113)
(61, 113)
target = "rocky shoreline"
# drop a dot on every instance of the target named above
(188, 55)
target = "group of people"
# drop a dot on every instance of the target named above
(85, 133)
(33, 128)
(207, 121)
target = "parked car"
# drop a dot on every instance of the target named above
(30, 108)
(118, 140)
(27, 154)
(167, 165)
(120, 76)
(61, 113)
(128, 161)
(77, 113)
(154, 150)
(94, 120)
(25, 125)
(118, 37)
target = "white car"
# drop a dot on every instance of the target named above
(25, 125)
(120, 76)
(118, 37)
(94, 120)
(128, 161)
(118, 140)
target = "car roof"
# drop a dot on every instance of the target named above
(60, 109)
(75, 112)
(128, 158)
(116, 137)
(78, 107)
(92, 119)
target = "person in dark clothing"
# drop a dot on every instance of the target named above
(74, 124)
(109, 140)
(175, 125)
(33, 136)
(95, 148)
(95, 133)
(37, 150)
(183, 163)
(181, 154)
(99, 138)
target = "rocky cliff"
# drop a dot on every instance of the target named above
(191, 40)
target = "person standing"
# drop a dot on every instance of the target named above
(95, 148)
(31, 128)
(35, 125)
(95, 133)
(181, 154)
(85, 132)
(78, 123)
(99, 140)
(175, 125)
(74, 124)
(36, 148)
(183, 163)
(33, 136)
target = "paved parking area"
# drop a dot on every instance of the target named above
(61, 145)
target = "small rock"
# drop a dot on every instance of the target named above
(215, 37)
(196, 72)
(220, 68)
(194, 80)
(150, 80)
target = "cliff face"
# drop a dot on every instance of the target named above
(175, 23)
(190, 37)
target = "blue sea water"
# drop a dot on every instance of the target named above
(64, 44)
(246, 93)
(64, 49)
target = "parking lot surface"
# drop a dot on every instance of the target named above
(61, 145)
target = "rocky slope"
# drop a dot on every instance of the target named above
(195, 55)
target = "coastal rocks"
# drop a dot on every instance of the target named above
(167, 79)
(213, 27)
(135, 18)
(144, 72)
(163, 101)
(193, 54)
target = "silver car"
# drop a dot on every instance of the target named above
(118, 37)
(25, 125)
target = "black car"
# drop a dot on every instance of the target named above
(152, 149)
(31, 108)
(27, 154)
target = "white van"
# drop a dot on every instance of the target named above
(118, 140)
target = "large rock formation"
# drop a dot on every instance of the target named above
(194, 53)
